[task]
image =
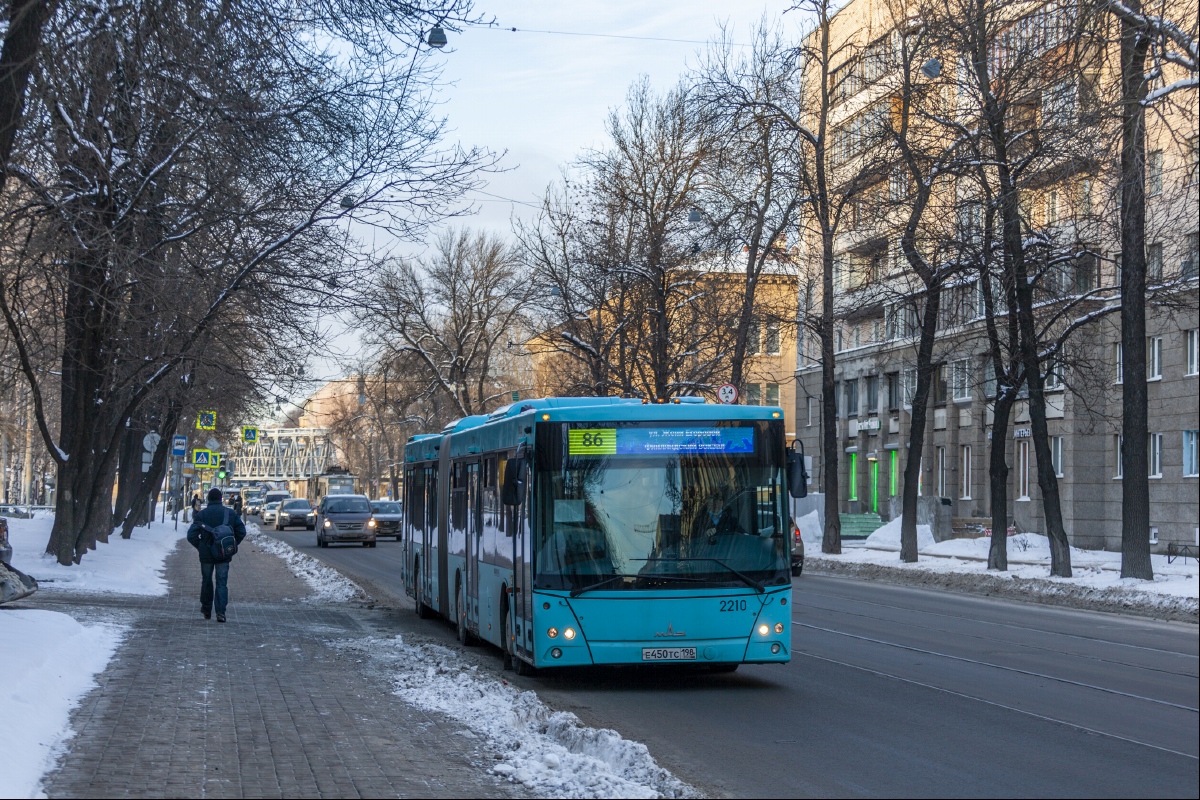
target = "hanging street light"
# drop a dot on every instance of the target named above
(437, 37)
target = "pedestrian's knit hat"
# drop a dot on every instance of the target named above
(214, 495)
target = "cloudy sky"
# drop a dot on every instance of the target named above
(541, 94)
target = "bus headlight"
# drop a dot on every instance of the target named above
(569, 633)
(779, 627)
(552, 633)
(763, 629)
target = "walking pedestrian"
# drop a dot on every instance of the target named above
(236, 503)
(200, 536)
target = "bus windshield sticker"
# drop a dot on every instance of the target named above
(657, 441)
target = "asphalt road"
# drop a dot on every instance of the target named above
(902, 692)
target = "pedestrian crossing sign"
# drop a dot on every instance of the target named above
(206, 421)
(203, 459)
(249, 434)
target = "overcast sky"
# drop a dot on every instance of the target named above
(543, 97)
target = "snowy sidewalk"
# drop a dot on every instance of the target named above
(262, 706)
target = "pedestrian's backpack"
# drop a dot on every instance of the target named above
(221, 541)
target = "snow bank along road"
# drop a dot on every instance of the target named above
(902, 692)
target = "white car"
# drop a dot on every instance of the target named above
(270, 511)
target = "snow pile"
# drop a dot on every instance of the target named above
(550, 753)
(810, 532)
(888, 537)
(47, 663)
(125, 566)
(326, 582)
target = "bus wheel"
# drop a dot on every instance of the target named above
(505, 644)
(524, 668)
(418, 599)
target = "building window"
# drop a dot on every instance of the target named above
(960, 374)
(941, 386)
(1054, 378)
(990, 384)
(1119, 452)
(1085, 197)
(772, 394)
(898, 184)
(1154, 455)
(753, 394)
(1023, 469)
(851, 397)
(872, 394)
(1154, 263)
(1119, 358)
(941, 471)
(812, 411)
(1193, 351)
(753, 339)
(1153, 358)
(771, 339)
(1190, 266)
(893, 390)
(1052, 207)
(1154, 173)
(965, 471)
(1191, 468)
(1056, 455)
(910, 386)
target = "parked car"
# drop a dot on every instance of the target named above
(5, 546)
(269, 511)
(388, 516)
(797, 550)
(345, 518)
(293, 513)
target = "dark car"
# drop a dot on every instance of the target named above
(797, 550)
(388, 516)
(345, 518)
(5, 547)
(293, 513)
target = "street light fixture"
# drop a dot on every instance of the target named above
(437, 37)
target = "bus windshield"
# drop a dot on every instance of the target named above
(643, 506)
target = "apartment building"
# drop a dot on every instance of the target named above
(1070, 202)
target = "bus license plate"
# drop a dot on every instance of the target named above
(668, 654)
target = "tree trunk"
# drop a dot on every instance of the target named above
(916, 430)
(832, 541)
(21, 41)
(152, 480)
(1135, 426)
(998, 480)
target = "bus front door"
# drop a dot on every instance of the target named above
(473, 535)
(522, 607)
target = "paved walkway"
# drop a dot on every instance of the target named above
(262, 706)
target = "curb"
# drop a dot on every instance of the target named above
(1029, 590)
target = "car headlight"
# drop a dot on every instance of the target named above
(328, 524)
(370, 523)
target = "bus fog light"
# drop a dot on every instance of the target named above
(569, 633)
(775, 649)
(763, 630)
(552, 633)
(556, 653)
(779, 627)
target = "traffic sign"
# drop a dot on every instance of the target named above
(179, 446)
(249, 434)
(206, 421)
(150, 441)
(203, 459)
(727, 393)
(212, 444)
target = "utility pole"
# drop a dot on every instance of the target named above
(27, 475)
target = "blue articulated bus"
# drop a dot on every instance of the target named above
(579, 531)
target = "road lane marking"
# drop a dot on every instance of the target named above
(1035, 715)
(996, 666)
(1011, 642)
(1000, 624)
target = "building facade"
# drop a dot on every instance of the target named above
(1071, 202)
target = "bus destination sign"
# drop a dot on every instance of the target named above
(658, 441)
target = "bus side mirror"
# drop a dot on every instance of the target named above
(797, 477)
(513, 489)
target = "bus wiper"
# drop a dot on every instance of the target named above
(753, 584)
(578, 590)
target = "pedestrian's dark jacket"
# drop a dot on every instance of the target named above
(213, 515)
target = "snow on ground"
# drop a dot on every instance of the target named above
(326, 582)
(47, 663)
(810, 532)
(125, 566)
(1028, 557)
(549, 753)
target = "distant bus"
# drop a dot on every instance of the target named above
(573, 531)
(330, 483)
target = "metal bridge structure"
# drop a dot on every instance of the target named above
(283, 454)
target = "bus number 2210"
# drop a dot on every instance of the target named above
(733, 605)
